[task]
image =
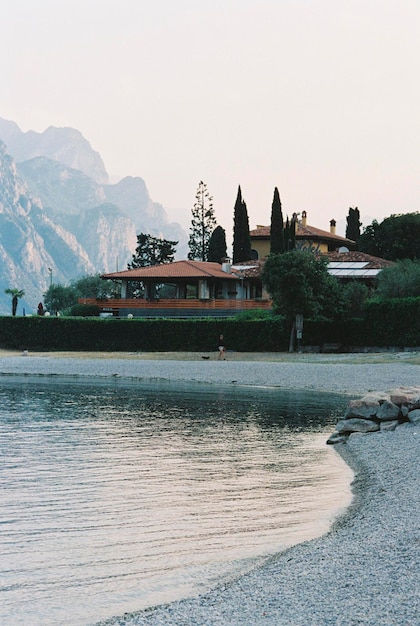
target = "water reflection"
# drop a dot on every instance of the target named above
(120, 495)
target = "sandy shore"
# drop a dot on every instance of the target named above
(341, 373)
(366, 570)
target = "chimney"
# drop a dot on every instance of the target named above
(226, 265)
(303, 218)
(332, 227)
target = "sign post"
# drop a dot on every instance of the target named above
(299, 329)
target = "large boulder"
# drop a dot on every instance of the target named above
(356, 425)
(362, 409)
(414, 416)
(389, 426)
(388, 411)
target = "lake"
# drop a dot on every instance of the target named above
(118, 495)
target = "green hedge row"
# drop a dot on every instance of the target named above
(112, 334)
(394, 321)
(386, 323)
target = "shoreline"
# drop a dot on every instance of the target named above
(335, 373)
(365, 570)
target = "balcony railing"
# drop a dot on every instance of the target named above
(115, 304)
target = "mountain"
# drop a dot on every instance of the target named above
(30, 242)
(66, 145)
(58, 211)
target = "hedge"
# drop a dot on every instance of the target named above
(386, 323)
(393, 322)
(113, 334)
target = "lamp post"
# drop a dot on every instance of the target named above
(50, 273)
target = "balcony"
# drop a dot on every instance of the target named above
(174, 306)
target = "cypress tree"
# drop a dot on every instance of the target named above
(353, 225)
(217, 245)
(290, 235)
(277, 227)
(293, 227)
(241, 237)
(237, 225)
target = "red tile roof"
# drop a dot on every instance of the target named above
(253, 269)
(302, 232)
(249, 269)
(372, 262)
(177, 270)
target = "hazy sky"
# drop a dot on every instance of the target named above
(320, 98)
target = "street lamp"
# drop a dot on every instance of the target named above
(50, 273)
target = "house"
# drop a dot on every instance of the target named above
(199, 288)
(307, 238)
(343, 264)
(348, 265)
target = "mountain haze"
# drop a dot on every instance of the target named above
(58, 211)
(66, 145)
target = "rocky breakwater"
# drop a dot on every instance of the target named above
(379, 411)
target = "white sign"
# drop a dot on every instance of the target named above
(299, 322)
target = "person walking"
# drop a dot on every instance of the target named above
(222, 348)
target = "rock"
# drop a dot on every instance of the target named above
(414, 416)
(357, 425)
(376, 396)
(404, 410)
(388, 426)
(362, 409)
(337, 438)
(399, 396)
(379, 411)
(388, 411)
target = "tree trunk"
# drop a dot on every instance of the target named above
(292, 338)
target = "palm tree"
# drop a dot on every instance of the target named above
(16, 294)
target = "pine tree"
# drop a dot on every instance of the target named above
(277, 227)
(217, 245)
(353, 225)
(152, 251)
(241, 238)
(202, 224)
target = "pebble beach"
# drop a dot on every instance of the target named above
(366, 569)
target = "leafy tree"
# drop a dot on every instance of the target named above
(16, 295)
(152, 251)
(217, 245)
(202, 224)
(353, 225)
(241, 238)
(93, 286)
(277, 226)
(396, 237)
(401, 280)
(355, 294)
(299, 283)
(59, 297)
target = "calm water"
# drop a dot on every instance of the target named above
(117, 496)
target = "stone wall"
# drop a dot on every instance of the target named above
(378, 411)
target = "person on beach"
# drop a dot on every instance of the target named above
(222, 349)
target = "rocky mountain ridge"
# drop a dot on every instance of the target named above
(59, 222)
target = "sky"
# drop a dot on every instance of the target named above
(320, 98)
